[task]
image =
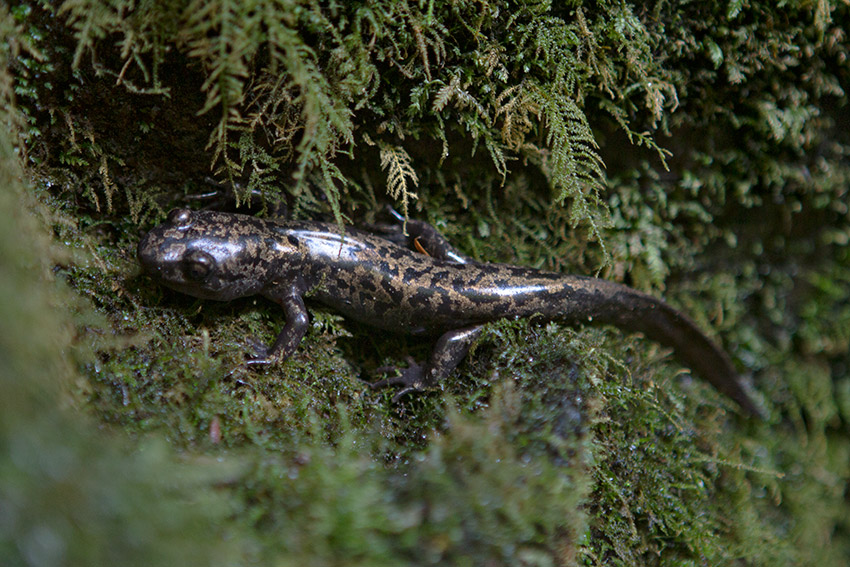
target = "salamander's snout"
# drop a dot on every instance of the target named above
(155, 245)
(147, 253)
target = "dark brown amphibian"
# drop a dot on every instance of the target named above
(222, 256)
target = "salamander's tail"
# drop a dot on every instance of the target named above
(631, 310)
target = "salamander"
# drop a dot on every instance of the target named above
(379, 282)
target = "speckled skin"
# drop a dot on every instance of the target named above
(222, 256)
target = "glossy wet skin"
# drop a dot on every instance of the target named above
(204, 260)
(222, 256)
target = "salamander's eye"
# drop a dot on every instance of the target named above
(197, 265)
(179, 218)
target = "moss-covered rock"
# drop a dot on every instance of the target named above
(695, 149)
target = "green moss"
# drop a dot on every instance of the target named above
(69, 494)
(470, 498)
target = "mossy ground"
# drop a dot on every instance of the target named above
(131, 424)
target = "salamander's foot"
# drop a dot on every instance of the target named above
(261, 355)
(410, 379)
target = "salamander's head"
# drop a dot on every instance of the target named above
(211, 255)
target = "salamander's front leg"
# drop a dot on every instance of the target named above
(297, 322)
(450, 349)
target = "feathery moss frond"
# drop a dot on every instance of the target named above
(228, 37)
(399, 168)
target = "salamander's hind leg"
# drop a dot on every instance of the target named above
(421, 237)
(426, 239)
(450, 349)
